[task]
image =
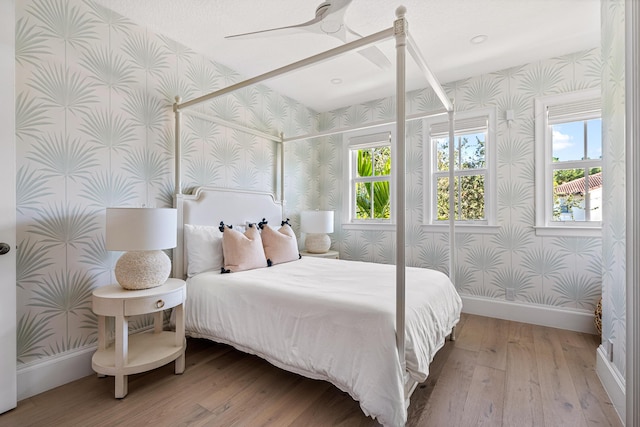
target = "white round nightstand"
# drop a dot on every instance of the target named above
(144, 351)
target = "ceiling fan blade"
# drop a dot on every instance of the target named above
(372, 53)
(336, 5)
(376, 56)
(329, 20)
(351, 31)
(281, 31)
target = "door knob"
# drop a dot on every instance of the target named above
(4, 248)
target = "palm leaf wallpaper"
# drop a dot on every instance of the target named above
(95, 129)
(560, 272)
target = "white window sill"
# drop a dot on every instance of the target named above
(463, 228)
(369, 226)
(437, 228)
(569, 231)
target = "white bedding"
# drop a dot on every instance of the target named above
(332, 320)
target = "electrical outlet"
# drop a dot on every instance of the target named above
(509, 115)
(511, 294)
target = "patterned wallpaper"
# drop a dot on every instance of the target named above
(552, 271)
(613, 231)
(94, 129)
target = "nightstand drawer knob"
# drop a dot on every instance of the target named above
(159, 303)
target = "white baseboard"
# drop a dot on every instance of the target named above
(561, 318)
(612, 382)
(38, 377)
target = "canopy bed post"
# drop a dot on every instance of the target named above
(281, 151)
(399, 29)
(178, 146)
(452, 219)
(178, 253)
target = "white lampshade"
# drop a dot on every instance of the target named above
(141, 229)
(143, 232)
(316, 222)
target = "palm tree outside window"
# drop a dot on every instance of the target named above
(371, 177)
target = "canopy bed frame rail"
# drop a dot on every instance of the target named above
(404, 43)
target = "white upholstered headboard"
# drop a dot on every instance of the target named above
(209, 206)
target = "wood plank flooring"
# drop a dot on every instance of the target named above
(497, 373)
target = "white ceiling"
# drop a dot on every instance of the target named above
(519, 32)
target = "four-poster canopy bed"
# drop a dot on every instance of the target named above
(281, 315)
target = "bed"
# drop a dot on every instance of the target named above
(312, 318)
(334, 320)
(325, 319)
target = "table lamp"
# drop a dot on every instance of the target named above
(316, 225)
(143, 233)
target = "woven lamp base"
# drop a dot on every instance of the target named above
(317, 243)
(142, 269)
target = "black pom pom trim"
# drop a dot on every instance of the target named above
(223, 271)
(299, 256)
(262, 223)
(269, 263)
(285, 222)
(221, 228)
(251, 224)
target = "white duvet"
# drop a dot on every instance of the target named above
(332, 320)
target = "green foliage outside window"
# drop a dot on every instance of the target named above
(469, 190)
(373, 162)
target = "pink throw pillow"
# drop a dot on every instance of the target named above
(242, 251)
(279, 245)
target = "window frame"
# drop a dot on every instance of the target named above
(356, 140)
(545, 225)
(488, 224)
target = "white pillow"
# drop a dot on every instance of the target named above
(204, 248)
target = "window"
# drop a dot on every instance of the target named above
(473, 169)
(569, 161)
(371, 176)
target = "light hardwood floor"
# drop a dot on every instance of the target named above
(497, 373)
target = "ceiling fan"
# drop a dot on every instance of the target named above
(329, 20)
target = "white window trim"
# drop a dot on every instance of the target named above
(484, 226)
(348, 145)
(543, 171)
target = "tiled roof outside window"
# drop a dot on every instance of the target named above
(577, 185)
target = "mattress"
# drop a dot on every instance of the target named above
(332, 320)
